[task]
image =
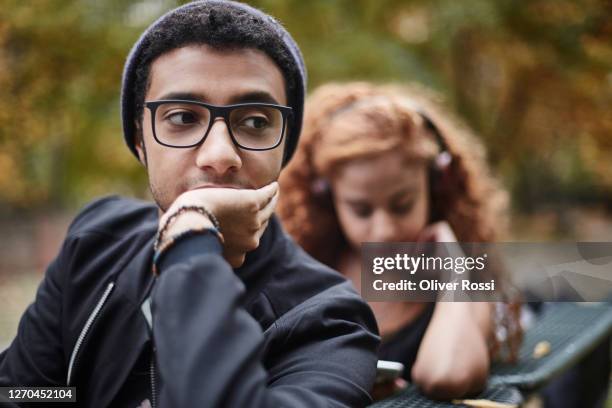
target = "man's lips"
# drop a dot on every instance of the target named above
(213, 186)
(216, 186)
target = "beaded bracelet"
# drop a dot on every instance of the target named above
(174, 239)
(195, 208)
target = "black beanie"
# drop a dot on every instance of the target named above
(295, 75)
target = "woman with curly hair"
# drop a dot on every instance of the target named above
(385, 164)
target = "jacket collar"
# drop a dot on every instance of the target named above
(260, 264)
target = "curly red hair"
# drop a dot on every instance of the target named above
(377, 119)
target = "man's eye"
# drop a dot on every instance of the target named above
(182, 118)
(255, 122)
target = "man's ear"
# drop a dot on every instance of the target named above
(139, 145)
(140, 150)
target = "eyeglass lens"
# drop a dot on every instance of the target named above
(184, 124)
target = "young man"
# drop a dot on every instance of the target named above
(142, 306)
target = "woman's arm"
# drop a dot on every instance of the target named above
(453, 358)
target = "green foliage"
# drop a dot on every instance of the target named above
(60, 135)
(534, 79)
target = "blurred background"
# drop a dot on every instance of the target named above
(532, 79)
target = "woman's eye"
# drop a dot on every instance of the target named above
(255, 122)
(361, 211)
(182, 118)
(402, 208)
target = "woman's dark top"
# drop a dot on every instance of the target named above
(403, 345)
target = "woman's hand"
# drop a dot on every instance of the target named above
(386, 389)
(439, 231)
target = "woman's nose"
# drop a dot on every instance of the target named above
(385, 227)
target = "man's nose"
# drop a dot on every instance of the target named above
(385, 227)
(218, 153)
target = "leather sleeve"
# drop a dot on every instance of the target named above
(209, 349)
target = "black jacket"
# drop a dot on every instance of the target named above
(281, 331)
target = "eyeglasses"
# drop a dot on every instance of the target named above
(252, 126)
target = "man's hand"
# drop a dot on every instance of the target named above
(243, 216)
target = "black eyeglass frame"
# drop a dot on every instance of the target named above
(220, 111)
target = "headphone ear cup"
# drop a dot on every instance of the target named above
(438, 180)
(434, 193)
(321, 189)
(438, 171)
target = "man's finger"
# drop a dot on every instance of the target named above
(266, 193)
(266, 212)
(262, 229)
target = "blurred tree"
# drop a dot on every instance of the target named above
(60, 135)
(534, 80)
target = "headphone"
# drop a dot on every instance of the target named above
(438, 169)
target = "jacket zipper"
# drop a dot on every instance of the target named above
(85, 330)
(153, 382)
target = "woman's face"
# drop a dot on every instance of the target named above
(381, 199)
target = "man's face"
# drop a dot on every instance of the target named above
(199, 72)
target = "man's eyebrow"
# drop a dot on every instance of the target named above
(255, 96)
(188, 96)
